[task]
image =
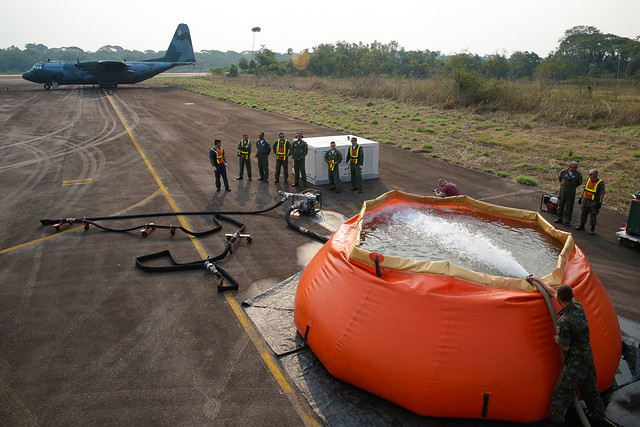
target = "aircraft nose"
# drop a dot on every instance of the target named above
(27, 75)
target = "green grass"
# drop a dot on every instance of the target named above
(527, 180)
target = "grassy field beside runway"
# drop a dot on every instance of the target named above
(530, 147)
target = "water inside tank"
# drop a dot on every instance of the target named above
(473, 240)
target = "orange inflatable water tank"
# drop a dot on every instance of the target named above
(441, 340)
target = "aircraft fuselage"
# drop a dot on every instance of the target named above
(111, 73)
(69, 73)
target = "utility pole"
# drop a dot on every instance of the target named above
(254, 30)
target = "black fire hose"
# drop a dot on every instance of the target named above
(303, 230)
(209, 264)
(195, 265)
(86, 222)
(90, 220)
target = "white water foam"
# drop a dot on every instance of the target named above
(460, 240)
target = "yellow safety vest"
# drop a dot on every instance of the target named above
(245, 149)
(590, 189)
(219, 155)
(282, 155)
(354, 157)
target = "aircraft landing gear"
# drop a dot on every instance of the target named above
(47, 86)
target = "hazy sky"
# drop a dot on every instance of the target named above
(449, 26)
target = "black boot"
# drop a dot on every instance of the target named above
(580, 227)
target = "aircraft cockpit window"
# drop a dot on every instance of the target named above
(38, 66)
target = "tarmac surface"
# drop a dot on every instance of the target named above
(87, 338)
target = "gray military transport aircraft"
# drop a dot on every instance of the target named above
(112, 73)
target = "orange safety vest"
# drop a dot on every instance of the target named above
(282, 155)
(590, 189)
(219, 155)
(244, 151)
(354, 157)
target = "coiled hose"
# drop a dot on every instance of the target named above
(303, 230)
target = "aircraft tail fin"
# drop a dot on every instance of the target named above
(180, 49)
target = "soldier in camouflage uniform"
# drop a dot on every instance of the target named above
(578, 372)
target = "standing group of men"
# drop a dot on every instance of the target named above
(355, 158)
(591, 197)
(283, 149)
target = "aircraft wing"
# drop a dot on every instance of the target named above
(103, 66)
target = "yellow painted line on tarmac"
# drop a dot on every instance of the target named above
(257, 341)
(42, 239)
(22, 245)
(77, 182)
(141, 202)
(307, 416)
(303, 410)
(161, 186)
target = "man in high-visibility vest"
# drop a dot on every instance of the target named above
(244, 154)
(355, 157)
(333, 158)
(219, 163)
(591, 200)
(282, 149)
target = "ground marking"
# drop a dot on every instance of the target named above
(77, 182)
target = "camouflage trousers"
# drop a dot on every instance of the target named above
(589, 209)
(574, 378)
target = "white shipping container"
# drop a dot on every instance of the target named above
(317, 170)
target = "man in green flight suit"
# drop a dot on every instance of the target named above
(244, 154)
(282, 149)
(299, 149)
(333, 158)
(355, 155)
(570, 179)
(263, 148)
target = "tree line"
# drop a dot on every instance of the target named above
(582, 51)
